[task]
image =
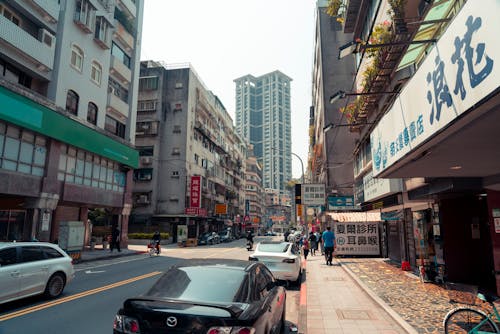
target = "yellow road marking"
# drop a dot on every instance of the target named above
(75, 296)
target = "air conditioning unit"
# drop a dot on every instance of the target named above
(143, 199)
(47, 38)
(146, 160)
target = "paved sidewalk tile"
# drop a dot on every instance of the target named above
(337, 304)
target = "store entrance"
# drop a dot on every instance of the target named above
(13, 225)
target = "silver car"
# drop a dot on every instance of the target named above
(32, 268)
(282, 258)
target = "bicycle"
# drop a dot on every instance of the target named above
(154, 248)
(467, 319)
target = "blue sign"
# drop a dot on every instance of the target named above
(341, 203)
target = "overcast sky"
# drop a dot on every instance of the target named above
(226, 39)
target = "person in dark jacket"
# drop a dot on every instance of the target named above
(115, 239)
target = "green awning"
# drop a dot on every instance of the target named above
(24, 112)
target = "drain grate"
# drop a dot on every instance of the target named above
(355, 315)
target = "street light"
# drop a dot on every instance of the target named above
(341, 94)
(358, 45)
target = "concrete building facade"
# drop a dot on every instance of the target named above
(65, 147)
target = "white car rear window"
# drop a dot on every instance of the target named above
(274, 248)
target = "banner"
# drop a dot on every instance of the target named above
(195, 191)
(356, 238)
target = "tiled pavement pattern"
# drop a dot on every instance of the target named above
(422, 305)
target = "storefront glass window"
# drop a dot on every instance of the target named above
(11, 225)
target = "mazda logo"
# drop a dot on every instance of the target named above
(171, 321)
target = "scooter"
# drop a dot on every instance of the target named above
(249, 245)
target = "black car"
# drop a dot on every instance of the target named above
(208, 296)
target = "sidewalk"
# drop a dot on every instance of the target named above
(99, 254)
(370, 295)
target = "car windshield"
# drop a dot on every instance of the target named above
(201, 283)
(274, 248)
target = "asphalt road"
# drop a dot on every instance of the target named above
(90, 302)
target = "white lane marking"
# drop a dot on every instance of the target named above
(94, 272)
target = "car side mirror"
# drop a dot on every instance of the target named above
(271, 285)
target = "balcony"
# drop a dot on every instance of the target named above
(123, 36)
(48, 9)
(34, 51)
(117, 104)
(120, 71)
(128, 7)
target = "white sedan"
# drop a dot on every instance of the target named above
(282, 258)
(32, 268)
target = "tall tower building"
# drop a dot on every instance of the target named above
(263, 119)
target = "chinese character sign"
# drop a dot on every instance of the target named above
(458, 73)
(356, 238)
(195, 191)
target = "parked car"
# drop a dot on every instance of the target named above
(282, 258)
(32, 268)
(207, 296)
(209, 238)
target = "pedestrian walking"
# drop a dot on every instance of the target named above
(329, 245)
(320, 243)
(313, 243)
(305, 248)
(115, 239)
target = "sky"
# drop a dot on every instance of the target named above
(226, 39)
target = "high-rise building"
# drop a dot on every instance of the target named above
(68, 91)
(263, 118)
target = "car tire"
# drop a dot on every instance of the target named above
(299, 279)
(55, 285)
(282, 324)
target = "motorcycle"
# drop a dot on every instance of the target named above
(249, 245)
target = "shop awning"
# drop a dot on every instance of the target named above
(355, 216)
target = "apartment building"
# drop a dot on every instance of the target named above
(192, 163)
(68, 83)
(254, 193)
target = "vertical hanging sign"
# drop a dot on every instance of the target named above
(195, 191)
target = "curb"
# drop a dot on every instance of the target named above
(302, 321)
(110, 256)
(401, 322)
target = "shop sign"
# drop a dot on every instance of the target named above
(196, 211)
(195, 191)
(220, 209)
(341, 203)
(313, 194)
(359, 192)
(374, 187)
(458, 72)
(356, 238)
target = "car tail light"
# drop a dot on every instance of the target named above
(253, 259)
(231, 330)
(289, 260)
(126, 325)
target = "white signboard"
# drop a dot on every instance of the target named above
(356, 238)
(375, 188)
(313, 194)
(462, 69)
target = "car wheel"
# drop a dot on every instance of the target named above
(55, 286)
(282, 323)
(299, 279)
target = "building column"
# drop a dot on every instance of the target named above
(494, 216)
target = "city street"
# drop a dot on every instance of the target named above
(90, 302)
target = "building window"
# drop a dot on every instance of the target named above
(147, 105)
(145, 151)
(118, 53)
(92, 113)
(175, 174)
(143, 174)
(84, 168)
(177, 129)
(96, 73)
(10, 15)
(148, 83)
(22, 150)
(77, 58)
(113, 126)
(101, 32)
(84, 15)
(72, 102)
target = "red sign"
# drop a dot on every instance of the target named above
(196, 211)
(195, 191)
